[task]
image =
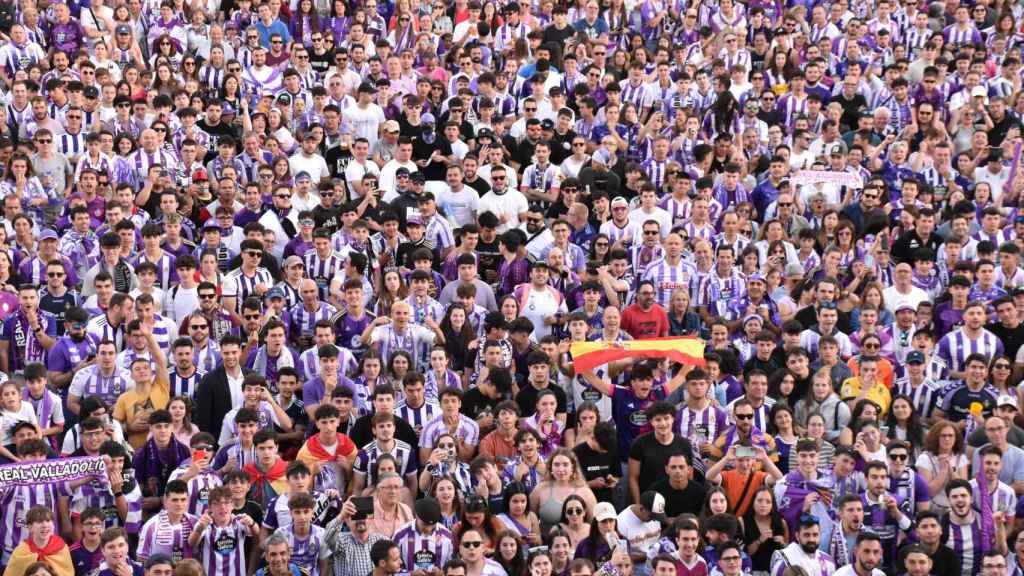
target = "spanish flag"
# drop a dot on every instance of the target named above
(589, 355)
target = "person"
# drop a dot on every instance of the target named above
(967, 535)
(169, 531)
(744, 478)
(804, 551)
(867, 557)
(42, 545)
(219, 534)
(681, 492)
(426, 545)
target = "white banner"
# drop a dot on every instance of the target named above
(803, 177)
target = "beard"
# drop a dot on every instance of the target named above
(809, 548)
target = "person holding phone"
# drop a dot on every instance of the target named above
(741, 481)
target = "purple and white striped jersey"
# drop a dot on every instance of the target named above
(101, 329)
(98, 495)
(166, 275)
(239, 453)
(1004, 499)
(199, 487)
(309, 551)
(299, 321)
(468, 430)
(966, 540)
(158, 536)
(411, 340)
(221, 549)
(700, 426)
(418, 417)
(667, 277)
(92, 381)
(15, 502)
(184, 385)
(240, 286)
(141, 161)
(308, 365)
(323, 270)
(366, 460)
(924, 397)
(956, 346)
(424, 551)
(616, 233)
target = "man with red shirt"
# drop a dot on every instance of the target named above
(645, 318)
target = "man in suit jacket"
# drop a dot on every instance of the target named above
(220, 390)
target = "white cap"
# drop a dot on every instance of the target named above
(979, 91)
(604, 511)
(1006, 400)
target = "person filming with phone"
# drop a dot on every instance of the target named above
(741, 481)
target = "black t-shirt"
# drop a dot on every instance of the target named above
(329, 218)
(58, 305)
(216, 132)
(597, 465)
(488, 259)
(653, 456)
(337, 159)
(527, 399)
(686, 501)
(362, 433)
(478, 184)
(475, 403)
(561, 146)
(1012, 338)
(321, 62)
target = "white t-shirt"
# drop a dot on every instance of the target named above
(460, 206)
(365, 122)
(642, 536)
(314, 165)
(355, 171)
(8, 419)
(510, 204)
(894, 299)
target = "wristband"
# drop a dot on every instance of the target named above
(118, 494)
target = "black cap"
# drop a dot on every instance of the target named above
(547, 124)
(110, 240)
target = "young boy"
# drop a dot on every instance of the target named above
(306, 539)
(86, 554)
(198, 474)
(118, 496)
(116, 560)
(256, 397)
(41, 545)
(219, 537)
(238, 482)
(157, 459)
(287, 384)
(277, 512)
(440, 376)
(45, 403)
(328, 454)
(242, 452)
(168, 531)
(146, 273)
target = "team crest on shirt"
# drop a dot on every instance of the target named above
(226, 543)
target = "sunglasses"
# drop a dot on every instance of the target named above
(56, 274)
(574, 511)
(475, 544)
(199, 327)
(44, 141)
(900, 457)
(743, 416)
(251, 316)
(254, 254)
(207, 296)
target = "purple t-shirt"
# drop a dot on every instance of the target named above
(67, 38)
(348, 332)
(25, 347)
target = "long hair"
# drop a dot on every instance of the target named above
(515, 566)
(915, 430)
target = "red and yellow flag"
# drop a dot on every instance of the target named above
(589, 355)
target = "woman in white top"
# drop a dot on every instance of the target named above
(943, 460)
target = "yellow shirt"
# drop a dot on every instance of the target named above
(878, 393)
(131, 402)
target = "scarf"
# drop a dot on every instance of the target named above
(266, 485)
(42, 406)
(757, 438)
(158, 464)
(55, 554)
(284, 359)
(987, 521)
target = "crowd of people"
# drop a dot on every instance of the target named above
(293, 288)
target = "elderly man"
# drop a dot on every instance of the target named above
(300, 320)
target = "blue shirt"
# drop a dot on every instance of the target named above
(276, 27)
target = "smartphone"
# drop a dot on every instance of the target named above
(200, 455)
(745, 452)
(885, 242)
(364, 507)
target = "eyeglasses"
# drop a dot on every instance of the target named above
(579, 144)
(1001, 366)
(251, 316)
(899, 457)
(743, 416)
(651, 232)
(44, 141)
(573, 511)
(266, 176)
(285, 196)
(188, 63)
(199, 327)
(56, 274)
(872, 345)
(254, 254)
(735, 558)
(474, 544)
(207, 296)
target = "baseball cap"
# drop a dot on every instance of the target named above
(602, 156)
(1006, 400)
(48, 234)
(547, 124)
(414, 220)
(200, 175)
(619, 201)
(391, 126)
(978, 91)
(123, 29)
(757, 277)
(302, 176)
(837, 149)
(604, 511)
(418, 176)
(794, 270)
(91, 92)
(212, 224)
(401, 171)
(653, 503)
(915, 357)
(275, 292)
(485, 133)
(292, 261)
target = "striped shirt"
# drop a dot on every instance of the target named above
(100, 328)
(240, 286)
(308, 365)
(98, 495)
(323, 270)
(351, 557)
(141, 161)
(307, 552)
(468, 431)
(92, 382)
(221, 549)
(1004, 499)
(15, 502)
(965, 540)
(924, 396)
(702, 426)
(184, 385)
(955, 347)
(300, 321)
(166, 275)
(424, 551)
(668, 277)
(366, 461)
(199, 487)
(158, 535)
(418, 417)
(410, 340)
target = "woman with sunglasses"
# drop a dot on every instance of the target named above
(477, 517)
(575, 522)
